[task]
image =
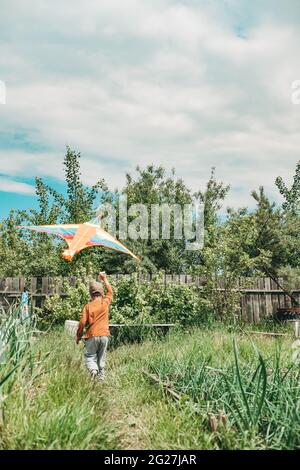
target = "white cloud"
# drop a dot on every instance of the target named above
(10, 186)
(153, 81)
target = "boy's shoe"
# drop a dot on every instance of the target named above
(101, 376)
(94, 374)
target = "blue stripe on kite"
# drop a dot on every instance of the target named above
(109, 244)
(53, 230)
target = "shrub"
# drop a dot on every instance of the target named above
(56, 309)
(133, 303)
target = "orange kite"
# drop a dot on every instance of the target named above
(80, 236)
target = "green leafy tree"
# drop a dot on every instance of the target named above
(228, 258)
(292, 195)
(269, 228)
(212, 198)
(37, 254)
(151, 186)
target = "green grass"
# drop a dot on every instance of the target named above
(49, 402)
(56, 406)
(252, 381)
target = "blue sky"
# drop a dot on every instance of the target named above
(186, 84)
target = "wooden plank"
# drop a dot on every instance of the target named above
(244, 314)
(51, 286)
(9, 284)
(269, 307)
(281, 300)
(22, 284)
(56, 285)
(45, 287)
(255, 305)
(262, 306)
(16, 284)
(288, 301)
(262, 333)
(275, 303)
(249, 308)
(33, 285)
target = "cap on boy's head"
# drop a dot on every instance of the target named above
(96, 288)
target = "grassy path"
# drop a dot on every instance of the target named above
(142, 416)
(58, 407)
(54, 405)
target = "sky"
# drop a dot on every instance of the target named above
(188, 85)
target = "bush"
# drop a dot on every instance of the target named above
(133, 303)
(57, 310)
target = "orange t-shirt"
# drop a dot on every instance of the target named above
(95, 313)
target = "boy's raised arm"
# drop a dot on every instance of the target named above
(109, 291)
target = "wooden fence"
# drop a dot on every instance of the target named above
(260, 297)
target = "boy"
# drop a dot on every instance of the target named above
(95, 313)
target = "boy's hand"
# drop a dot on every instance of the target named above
(102, 276)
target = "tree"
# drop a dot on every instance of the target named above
(269, 227)
(291, 219)
(151, 186)
(292, 195)
(227, 258)
(212, 198)
(38, 254)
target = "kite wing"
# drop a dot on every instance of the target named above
(67, 232)
(81, 236)
(103, 238)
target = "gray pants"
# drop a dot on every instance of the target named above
(95, 354)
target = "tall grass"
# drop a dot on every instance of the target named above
(49, 402)
(258, 392)
(15, 342)
(47, 399)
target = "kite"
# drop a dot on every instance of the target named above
(80, 236)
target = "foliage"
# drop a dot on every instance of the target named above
(57, 310)
(15, 350)
(36, 254)
(292, 195)
(227, 259)
(257, 392)
(212, 198)
(244, 243)
(133, 303)
(50, 403)
(53, 405)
